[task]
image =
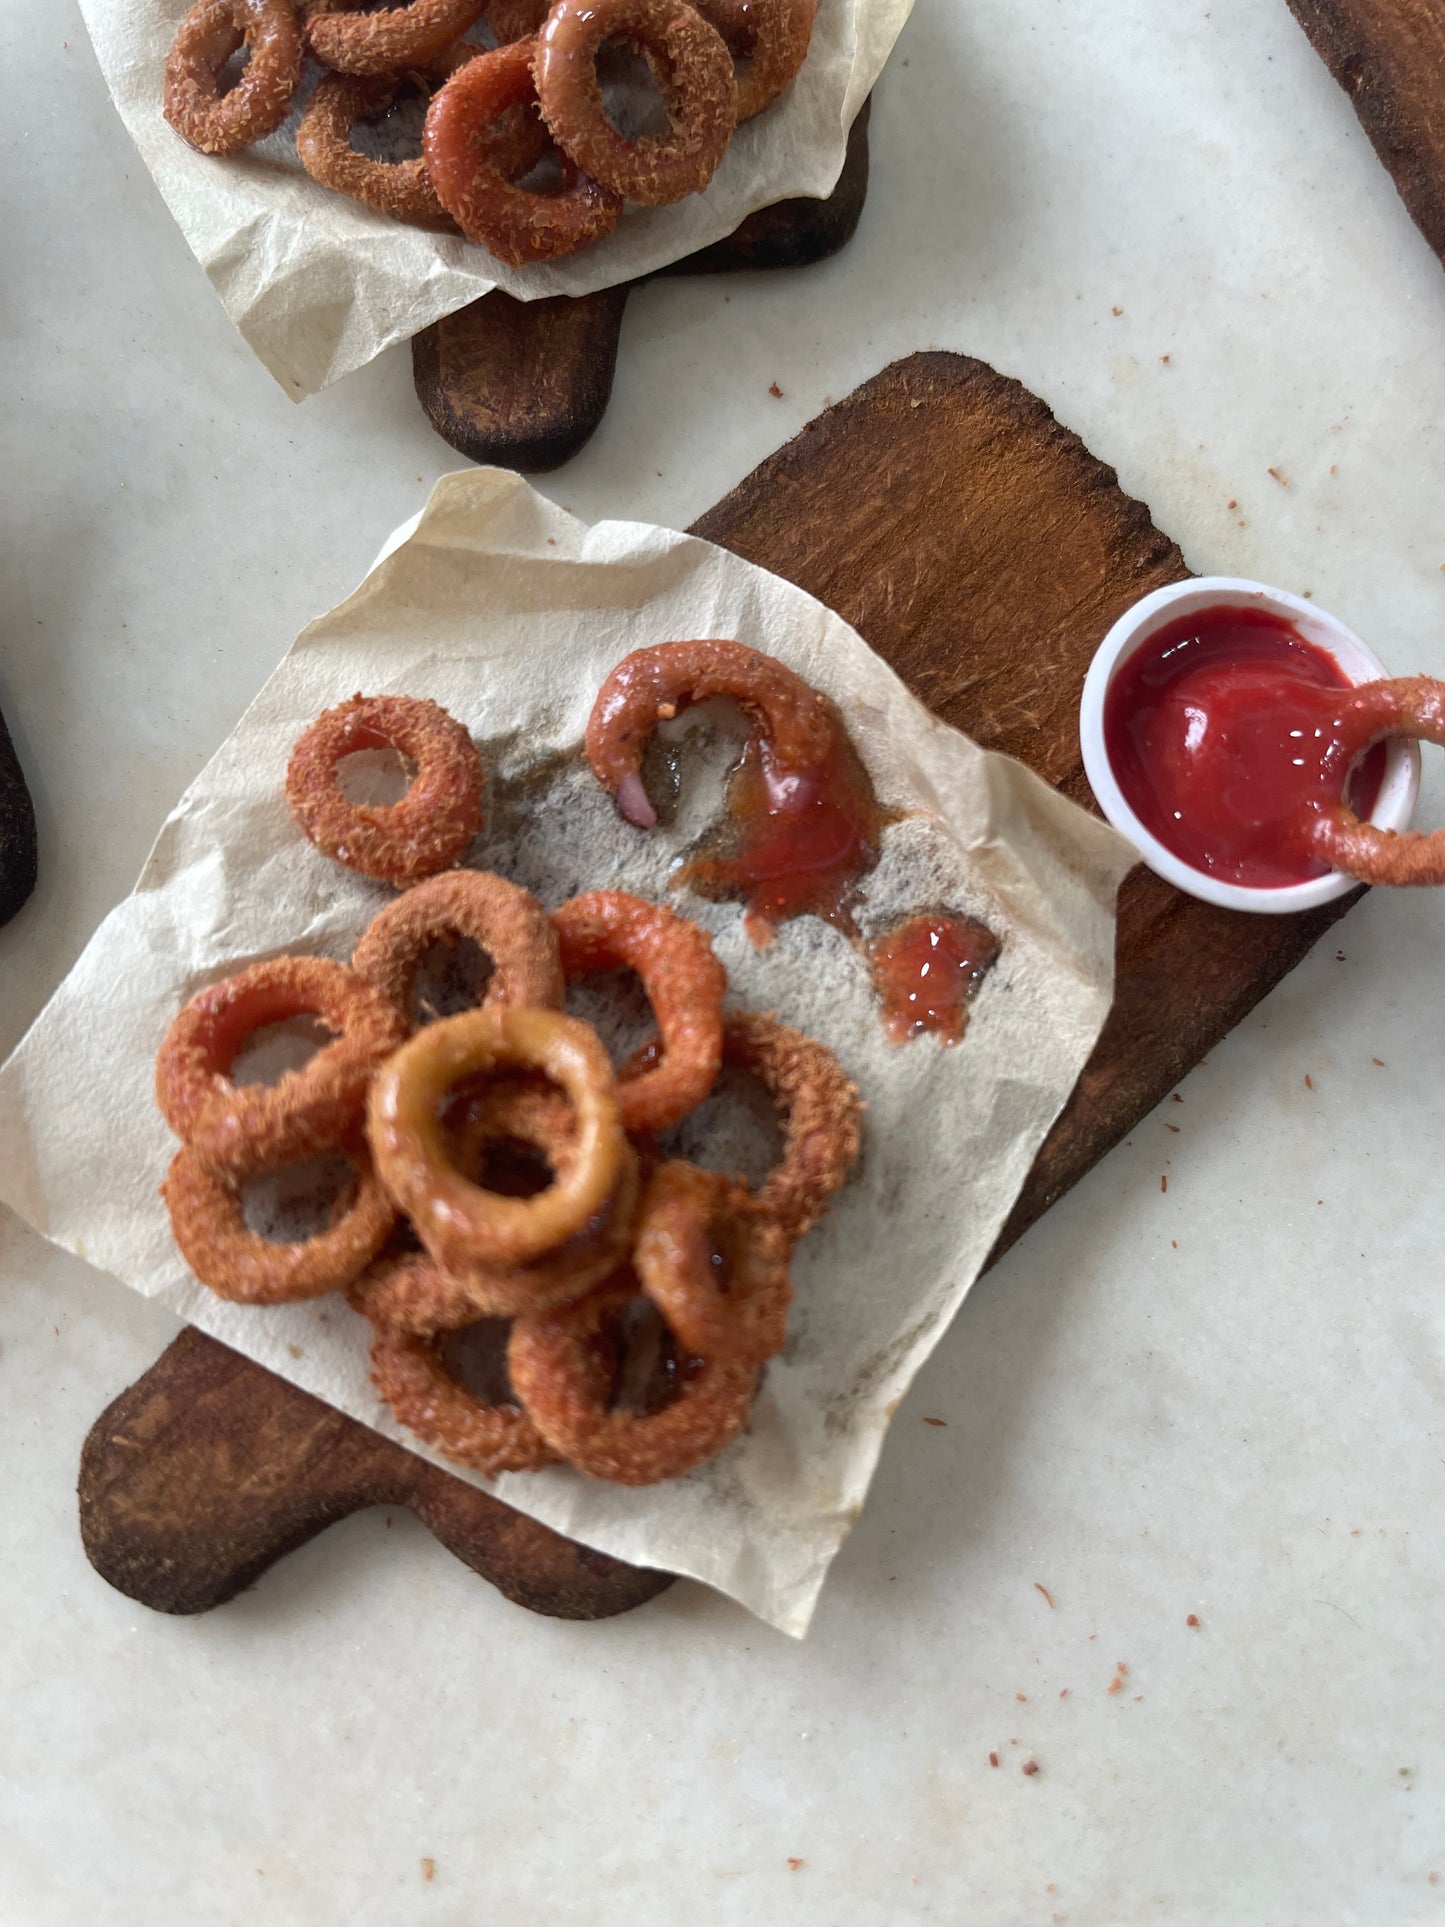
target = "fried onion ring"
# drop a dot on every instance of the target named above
(211, 32)
(656, 682)
(501, 919)
(1401, 706)
(391, 42)
(717, 1273)
(819, 1110)
(466, 1228)
(563, 1365)
(770, 38)
(209, 1224)
(410, 1372)
(481, 193)
(694, 74)
(431, 826)
(240, 1128)
(512, 20)
(402, 189)
(684, 983)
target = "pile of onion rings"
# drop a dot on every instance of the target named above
(500, 107)
(505, 1176)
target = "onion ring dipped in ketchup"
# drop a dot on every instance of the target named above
(1244, 749)
(802, 822)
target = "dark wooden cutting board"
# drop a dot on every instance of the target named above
(1389, 56)
(980, 548)
(525, 383)
(18, 853)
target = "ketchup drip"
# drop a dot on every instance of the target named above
(927, 972)
(1225, 735)
(794, 840)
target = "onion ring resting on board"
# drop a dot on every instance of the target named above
(480, 191)
(693, 71)
(239, 1128)
(770, 38)
(208, 1220)
(461, 1224)
(501, 919)
(211, 32)
(563, 1364)
(429, 828)
(715, 1269)
(684, 983)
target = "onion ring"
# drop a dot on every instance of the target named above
(693, 1222)
(770, 37)
(209, 1224)
(501, 919)
(466, 1228)
(211, 32)
(402, 189)
(391, 42)
(241, 1128)
(429, 829)
(563, 1365)
(1401, 706)
(656, 682)
(693, 71)
(819, 1110)
(410, 1373)
(477, 190)
(684, 983)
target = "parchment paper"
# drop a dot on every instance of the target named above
(319, 284)
(510, 612)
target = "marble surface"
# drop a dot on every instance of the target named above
(1223, 1400)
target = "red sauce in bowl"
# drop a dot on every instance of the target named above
(1223, 733)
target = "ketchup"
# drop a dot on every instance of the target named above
(794, 841)
(1223, 732)
(926, 972)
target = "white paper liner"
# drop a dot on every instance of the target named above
(319, 284)
(510, 612)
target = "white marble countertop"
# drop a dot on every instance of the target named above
(1224, 1401)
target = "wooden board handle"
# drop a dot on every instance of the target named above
(210, 1468)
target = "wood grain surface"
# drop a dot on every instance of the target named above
(982, 550)
(526, 383)
(18, 849)
(1389, 56)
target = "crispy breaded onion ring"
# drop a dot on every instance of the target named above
(770, 38)
(391, 42)
(468, 1229)
(716, 1271)
(211, 32)
(1401, 706)
(431, 826)
(694, 74)
(479, 188)
(501, 919)
(819, 1111)
(563, 1365)
(251, 1127)
(656, 682)
(209, 1224)
(410, 1372)
(684, 983)
(402, 189)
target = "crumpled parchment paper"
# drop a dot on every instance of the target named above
(510, 612)
(319, 284)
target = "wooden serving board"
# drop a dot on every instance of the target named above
(981, 549)
(17, 831)
(525, 383)
(1389, 56)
